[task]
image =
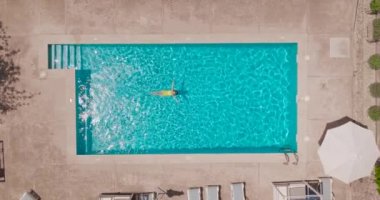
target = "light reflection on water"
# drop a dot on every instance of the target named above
(231, 97)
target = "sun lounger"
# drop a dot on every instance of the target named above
(238, 191)
(213, 192)
(327, 187)
(128, 196)
(194, 193)
(2, 165)
(114, 196)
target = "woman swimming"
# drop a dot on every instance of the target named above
(167, 93)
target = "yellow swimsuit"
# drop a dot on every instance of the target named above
(166, 93)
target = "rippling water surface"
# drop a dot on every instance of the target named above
(233, 98)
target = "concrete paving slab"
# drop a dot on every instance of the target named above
(22, 150)
(237, 16)
(27, 55)
(89, 181)
(331, 17)
(314, 169)
(321, 63)
(330, 98)
(186, 16)
(4, 194)
(3, 6)
(341, 190)
(22, 17)
(56, 177)
(88, 17)
(52, 16)
(284, 16)
(138, 16)
(316, 128)
(20, 180)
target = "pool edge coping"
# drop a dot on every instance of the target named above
(72, 157)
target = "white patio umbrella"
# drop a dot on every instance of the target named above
(348, 152)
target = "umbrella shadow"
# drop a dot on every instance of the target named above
(338, 123)
(170, 193)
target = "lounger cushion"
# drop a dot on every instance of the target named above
(238, 191)
(194, 194)
(213, 192)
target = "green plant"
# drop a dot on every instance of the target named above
(375, 6)
(374, 89)
(376, 29)
(377, 177)
(374, 61)
(374, 113)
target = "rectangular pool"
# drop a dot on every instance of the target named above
(232, 98)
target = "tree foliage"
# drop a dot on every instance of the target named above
(374, 61)
(374, 113)
(11, 96)
(374, 89)
(377, 175)
(375, 6)
(376, 29)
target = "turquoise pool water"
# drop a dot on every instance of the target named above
(233, 98)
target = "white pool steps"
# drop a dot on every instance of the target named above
(64, 56)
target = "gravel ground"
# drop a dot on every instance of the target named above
(365, 188)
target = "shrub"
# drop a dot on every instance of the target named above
(374, 113)
(375, 6)
(374, 61)
(374, 89)
(377, 177)
(376, 29)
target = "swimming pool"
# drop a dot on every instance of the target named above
(233, 98)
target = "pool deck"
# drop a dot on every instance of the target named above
(39, 139)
